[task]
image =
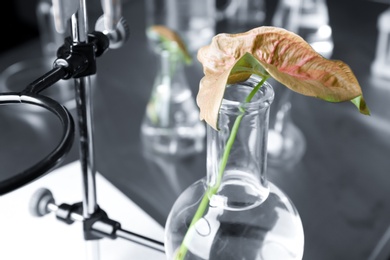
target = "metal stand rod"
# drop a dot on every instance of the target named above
(84, 105)
(79, 32)
(141, 240)
(46, 80)
(93, 249)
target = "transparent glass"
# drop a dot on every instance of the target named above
(171, 122)
(381, 64)
(237, 16)
(309, 19)
(286, 142)
(235, 212)
(194, 21)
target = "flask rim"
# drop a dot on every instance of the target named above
(263, 98)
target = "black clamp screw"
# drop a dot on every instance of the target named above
(97, 226)
(79, 59)
(107, 227)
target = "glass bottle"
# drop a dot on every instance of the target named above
(309, 19)
(314, 26)
(381, 64)
(171, 122)
(237, 16)
(238, 214)
(193, 20)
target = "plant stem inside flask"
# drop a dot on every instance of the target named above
(180, 255)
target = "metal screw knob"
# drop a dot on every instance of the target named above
(40, 201)
(118, 36)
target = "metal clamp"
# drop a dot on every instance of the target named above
(97, 226)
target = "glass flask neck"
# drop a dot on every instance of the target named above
(171, 64)
(237, 153)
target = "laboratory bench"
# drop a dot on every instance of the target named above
(340, 186)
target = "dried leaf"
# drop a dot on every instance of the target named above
(285, 56)
(169, 36)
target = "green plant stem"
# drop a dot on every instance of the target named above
(213, 190)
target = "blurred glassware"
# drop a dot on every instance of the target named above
(194, 21)
(287, 14)
(48, 35)
(171, 122)
(380, 69)
(286, 142)
(310, 20)
(235, 16)
(17, 76)
(381, 65)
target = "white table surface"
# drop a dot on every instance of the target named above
(23, 236)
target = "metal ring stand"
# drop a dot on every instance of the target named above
(56, 156)
(76, 59)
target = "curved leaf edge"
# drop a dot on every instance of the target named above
(242, 69)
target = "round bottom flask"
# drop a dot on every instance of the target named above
(269, 231)
(235, 212)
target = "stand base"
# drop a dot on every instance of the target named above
(29, 237)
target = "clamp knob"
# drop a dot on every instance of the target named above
(39, 203)
(118, 36)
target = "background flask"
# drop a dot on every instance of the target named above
(171, 122)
